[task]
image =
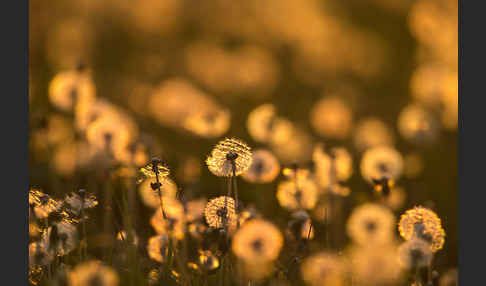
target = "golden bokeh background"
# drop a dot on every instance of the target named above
(170, 78)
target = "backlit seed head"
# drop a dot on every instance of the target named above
(424, 224)
(260, 122)
(42, 204)
(228, 153)
(220, 212)
(257, 241)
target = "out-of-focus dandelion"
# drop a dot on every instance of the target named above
(371, 224)
(178, 104)
(61, 237)
(151, 198)
(173, 223)
(424, 224)
(337, 166)
(257, 241)
(414, 165)
(449, 278)
(417, 125)
(42, 204)
(331, 117)
(39, 254)
(79, 202)
(370, 266)
(157, 247)
(69, 88)
(264, 167)
(207, 260)
(107, 134)
(396, 198)
(123, 237)
(380, 162)
(323, 269)
(260, 122)
(230, 157)
(414, 254)
(298, 192)
(93, 272)
(372, 132)
(220, 212)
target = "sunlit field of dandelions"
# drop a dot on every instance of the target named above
(244, 142)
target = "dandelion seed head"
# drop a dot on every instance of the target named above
(415, 253)
(372, 132)
(69, 88)
(260, 122)
(39, 254)
(424, 224)
(226, 153)
(220, 210)
(151, 198)
(381, 162)
(257, 241)
(417, 125)
(264, 167)
(371, 224)
(61, 238)
(157, 247)
(297, 193)
(372, 266)
(323, 269)
(207, 260)
(338, 158)
(42, 203)
(92, 273)
(331, 117)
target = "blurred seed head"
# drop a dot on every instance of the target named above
(264, 167)
(93, 272)
(371, 225)
(157, 247)
(220, 212)
(257, 241)
(323, 269)
(372, 132)
(380, 162)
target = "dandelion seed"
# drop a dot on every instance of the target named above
(371, 224)
(220, 212)
(93, 272)
(157, 247)
(323, 269)
(264, 167)
(257, 241)
(424, 224)
(227, 154)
